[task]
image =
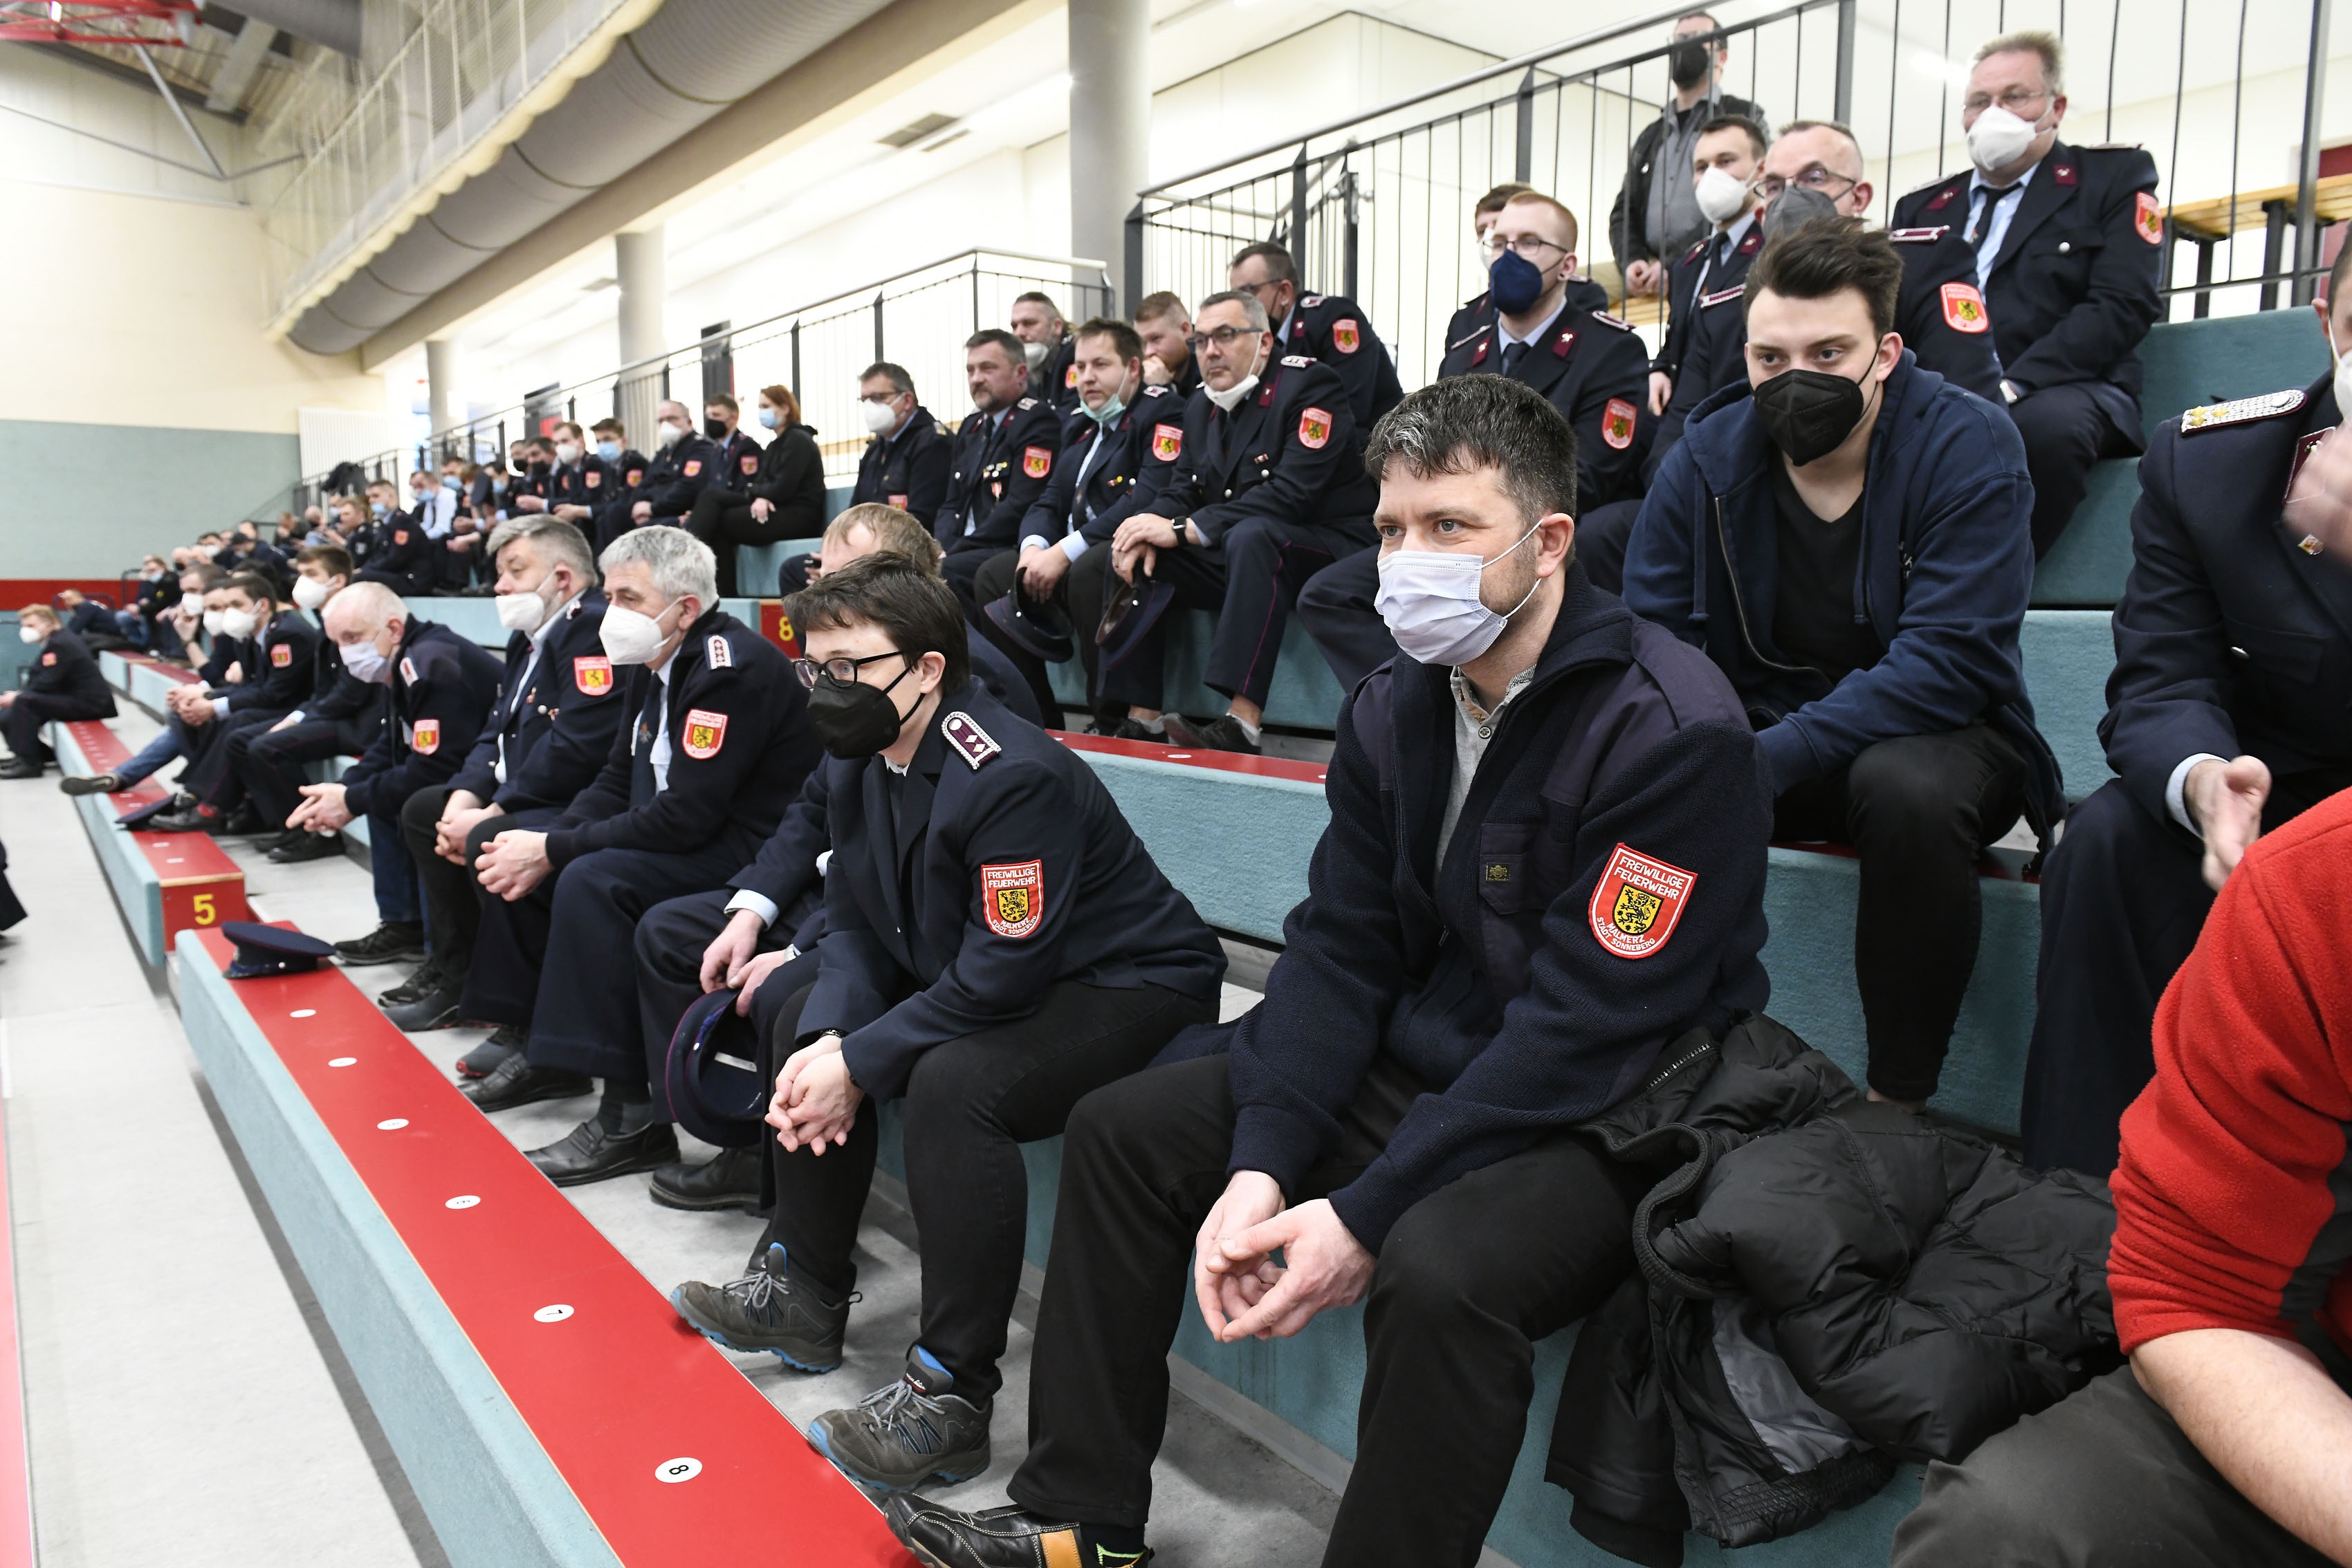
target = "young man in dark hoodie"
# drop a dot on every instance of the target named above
(1545, 864)
(1845, 534)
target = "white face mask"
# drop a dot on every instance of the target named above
(671, 434)
(1034, 353)
(1998, 139)
(239, 624)
(310, 593)
(1431, 603)
(629, 637)
(1722, 195)
(880, 416)
(28, 634)
(1230, 398)
(567, 452)
(523, 611)
(365, 663)
(214, 620)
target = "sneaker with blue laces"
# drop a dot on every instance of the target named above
(915, 1430)
(775, 1308)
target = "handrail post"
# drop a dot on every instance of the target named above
(1298, 210)
(797, 389)
(1348, 209)
(1843, 96)
(1134, 259)
(878, 354)
(2307, 195)
(1523, 165)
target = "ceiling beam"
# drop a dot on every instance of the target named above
(243, 63)
(893, 49)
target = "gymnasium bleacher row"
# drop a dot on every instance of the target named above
(472, 1296)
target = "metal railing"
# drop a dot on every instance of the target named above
(370, 151)
(1377, 205)
(918, 319)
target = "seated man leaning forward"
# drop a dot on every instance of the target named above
(997, 944)
(1844, 533)
(2227, 1443)
(1544, 863)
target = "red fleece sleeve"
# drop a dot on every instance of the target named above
(2234, 1199)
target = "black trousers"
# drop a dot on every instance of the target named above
(27, 715)
(669, 944)
(1467, 1281)
(271, 764)
(556, 961)
(969, 1105)
(962, 566)
(792, 576)
(2123, 899)
(2066, 429)
(1338, 609)
(1919, 811)
(2103, 1479)
(722, 519)
(1601, 535)
(1139, 680)
(453, 899)
(213, 778)
(997, 577)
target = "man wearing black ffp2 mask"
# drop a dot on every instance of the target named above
(1847, 538)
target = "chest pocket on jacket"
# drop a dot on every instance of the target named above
(2280, 671)
(2064, 251)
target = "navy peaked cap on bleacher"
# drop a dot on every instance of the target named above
(145, 814)
(1132, 610)
(271, 950)
(1036, 628)
(716, 1089)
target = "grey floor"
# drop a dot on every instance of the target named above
(241, 1446)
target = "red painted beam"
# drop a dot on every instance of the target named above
(1184, 756)
(614, 1386)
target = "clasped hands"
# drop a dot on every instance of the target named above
(1243, 1293)
(816, 1103)
(1142, 537)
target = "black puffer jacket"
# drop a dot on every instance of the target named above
(1827, 1286)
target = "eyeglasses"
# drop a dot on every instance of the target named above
(1527, 247)
(1222, 337)
(2014, 100)
(838, 672)
(1814, 178)
(881, 400)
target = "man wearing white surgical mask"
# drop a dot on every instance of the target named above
(714, 740)
(1724, 165)
(682, 467)
(62, 683)
(2233, 673)
(549, 731)
(2069, 243)
(1575, 801)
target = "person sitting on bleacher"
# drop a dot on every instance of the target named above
(1165, 327)
(62, 683)
(1329, 327)
(342, 717)
(2070, 247)
(1269, 489)
(1848, 541)
(908, 463)
(205, 598)
(1003, 454)
(1124, 444)
(89, 619)
(616, 495)
(997, 944)
(737, 936)
(1045, 345)
(1545, 864)
(776, 492)
(158, 591)
(280, 648)
(402, 555)
(2225, 719)
(714, 744)
(442, 688)
(1588, 363)
(722, 426)
(580, 479)
(2226, 1440)
(557, 712)
(678, 473)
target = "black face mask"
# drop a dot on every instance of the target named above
(715, 428)
(1808, 413)
(1686, 62)
(857, 720)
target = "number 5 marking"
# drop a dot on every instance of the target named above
(201, 905)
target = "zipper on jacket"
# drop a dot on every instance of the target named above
(1738, 604)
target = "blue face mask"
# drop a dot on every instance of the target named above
(451, 481)
(1515, 282)
(1113, 406)
(770, 418)
(379, 509)
(610, 451)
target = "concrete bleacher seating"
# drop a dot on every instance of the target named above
(164, 883)
(546, 1403)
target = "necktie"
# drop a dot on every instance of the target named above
(1993, 195)
(1512, 354)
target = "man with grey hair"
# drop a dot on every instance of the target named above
(548, 736)
(1267, 488)
(2069, 245)
(715, 741)
(681, 468)
(442, 686)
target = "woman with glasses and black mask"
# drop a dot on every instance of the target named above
(998, 943)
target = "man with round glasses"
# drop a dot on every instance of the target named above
(998, 943)
(2069, 245)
